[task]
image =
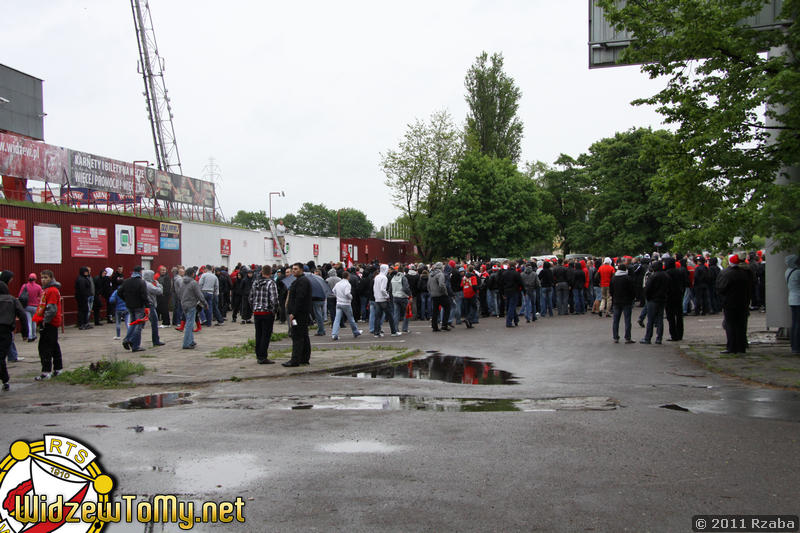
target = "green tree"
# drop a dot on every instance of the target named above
(719, 173)
(353, 223)
(494, 210)
(315, 219)
(493, 126)
(566, 197)
(251, 219)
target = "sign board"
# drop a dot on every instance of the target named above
(12, 232)
(88, 242)
(146, 241)
(606, 44)
(316, 250)
(123, 239)
(170, 236)
(47, 245)
(225, 247)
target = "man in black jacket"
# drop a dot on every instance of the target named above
(83, 289)
(298, 309)
(701, 292)
(10, 310)
(735, 287)
(133, 292)
(512, 286)
(674, 305)
(657, 292)
(623, 292)
(561, 280)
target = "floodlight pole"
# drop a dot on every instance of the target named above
(280, 193)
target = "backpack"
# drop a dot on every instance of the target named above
(397, 286)
(23, 297)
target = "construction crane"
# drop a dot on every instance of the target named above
(159, 111)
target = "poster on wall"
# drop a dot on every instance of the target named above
(316, 250)
(89, 242)
(225, 247)
(123, 239)
(170, 236)
(146, 241)
(47, 244)
(12, 232)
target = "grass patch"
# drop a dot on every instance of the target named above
(404, 355)
(240, 351)
(103, 374)
(235, 379)
(788, 369)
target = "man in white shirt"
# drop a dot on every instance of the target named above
(344, 299)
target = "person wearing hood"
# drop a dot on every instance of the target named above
(29, 296)
(674, 306)
(154, 290)
(191, 297)
(13, 356)
(319, 295)
(162, 302)
(530, 281)
(424, 295)
(177, 311)
(332, 278)
(10, 310)
(382, 304)
(246, 286)
(134, 292)
(413, 282)
(83, 290)
(49, 316)
(236, 292)
(793, 282)
(623, 293)
(401, 292)
(102, 291)
(344, 308)
(437, 287)
(735, 287)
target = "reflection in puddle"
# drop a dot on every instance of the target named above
(421, 403)
(154, 401)
(438, 367)
(359, 446)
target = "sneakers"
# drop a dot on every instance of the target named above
(356, 335)
(43, 376)
(56, 372)
(334, 338)
(126, 345)
(6, 387)
(159, 343)
(643, 341)
(117, 338)
(396, 334)
(377, 335)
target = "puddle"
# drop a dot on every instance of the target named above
(438, 367)
(154, 401)
(359, 446)
(751, 403)
(220, 473)
(421, 403)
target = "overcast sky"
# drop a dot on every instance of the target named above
(304, 96)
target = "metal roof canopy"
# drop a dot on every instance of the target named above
(606, 44)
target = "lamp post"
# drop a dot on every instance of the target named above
(281, 193)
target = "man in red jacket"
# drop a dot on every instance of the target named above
(606, 272)
(49, 316)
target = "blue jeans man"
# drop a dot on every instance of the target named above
(456, 306)
(577, 299)
(621, 310)
(188, 334)
(400, 305)
(347, 312)
(154, 326)
(133, 338)
(655, 317)
(212, 309)
(493, 299)
(319, 315)
(547, 301)
(383, 309)
(511, 309)
(425, 300)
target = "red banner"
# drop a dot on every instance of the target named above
(146, 241)
(23, 158)
(89, 242)
(316, 250)
(12, 232)
(225, 247)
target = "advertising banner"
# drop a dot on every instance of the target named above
(123, 239)
(316, 250)
(89, 242)
(12, 232)
(225, 247)
(146, 241)
(23, 158)
(170, 236)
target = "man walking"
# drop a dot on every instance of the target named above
(657, 293)
(623, 292)
(735, 287)
(344, 297)
(10, 310)
(133, 292)
(190, 297)
(298, 309)
(264, 301)
(382, 303)
(401, 291)
(674, 306)
(437, 286)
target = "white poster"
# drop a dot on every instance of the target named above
(47, 245)
(124, 241)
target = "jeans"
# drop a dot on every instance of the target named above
(425, 299)
(562, 295)
(347, 312)
(511, 308)
(493, 299)
(154, 325)
(188, 334)
(688, 299)
(528, 306)
(177, 313)
(655, 316)
(263, 324)
(90, 304)
(212, 311)
(456, 307)
(795, 329)
(373, 312)
(30, 311)
(134, 335)
(49, 349)
(364, 308)
(319, 315)
(577, 298)
(469, 309)
(120, 316)
(400, 305)
(381, 309)
(547, 301)
(618, 311)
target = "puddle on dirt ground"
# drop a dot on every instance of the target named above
(420, 403)
(154, 401)
(438, 367)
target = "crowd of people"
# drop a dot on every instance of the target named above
(446, 294)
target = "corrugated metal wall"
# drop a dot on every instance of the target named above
(384, 251)
(20, 259)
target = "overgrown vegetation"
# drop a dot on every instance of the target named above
(239, 351)
(103, 374)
